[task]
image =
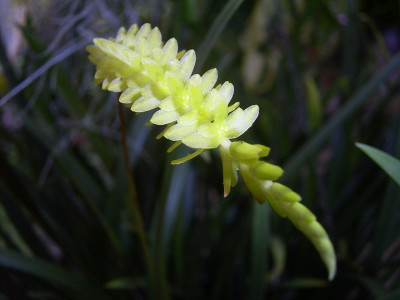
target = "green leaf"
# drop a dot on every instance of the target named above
(374, 286)
(215, 30)
(391, 296)
(386, 228)
(51, 274)
(304, 283)
(11, 231)
(315, 142)
(314, 104)
(387, 162)
(278, 253)
(171, 195)
(43, 69)
(122, 283)
(259, 244)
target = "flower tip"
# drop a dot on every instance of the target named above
(227, 188)
(98, 41)
(331, 266)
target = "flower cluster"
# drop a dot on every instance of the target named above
(152, 75)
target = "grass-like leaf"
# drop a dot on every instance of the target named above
(215, 30)
(50, 273)
(387, 162)
(391, 296)
(259, 244)
(315, 142)
(44, 68)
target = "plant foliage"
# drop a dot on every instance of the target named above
(324, 75)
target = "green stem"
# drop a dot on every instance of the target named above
(134, 203)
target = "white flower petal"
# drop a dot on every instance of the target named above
(195, 80)
(117, 85)
(208, 130)
(186, 65)
(239, 121)
(197, 141)
(177, 132)
(144, 31)
(154, 39)
(128, 95)
(118, 51)
(130, 37)
(226, 90)
(188, 118)
(121, 35)
(161, 117)
(209, 79)
(167, 104)
(145, 104)
(142, 47)
(169, 51)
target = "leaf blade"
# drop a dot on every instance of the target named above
(388, 163)
(50, 273)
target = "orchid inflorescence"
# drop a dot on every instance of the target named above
(152, 75)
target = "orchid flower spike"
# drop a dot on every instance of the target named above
(152, 75)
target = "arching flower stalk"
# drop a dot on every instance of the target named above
(152, 75)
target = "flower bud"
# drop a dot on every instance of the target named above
(247, 153)
(266, 171)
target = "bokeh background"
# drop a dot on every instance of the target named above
(325, 75)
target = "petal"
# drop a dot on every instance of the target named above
(213, 99)
(195, 80)
(144, 31)
(152, 68)
(174, 83)
(130, 37)
(154, 39)
(121, 34)
(167, 104)
(197, 141)
(177, 132)
(209, 79)
(169, 51)
(117, 85)
(105, 84)
(142, 47)
(226, 90)
(180, 54)
(209, 129)
(118, 51)
(145, 104)
(164, 117)
(129, 95)
(186, 65)
(188, 118)
(239, 121)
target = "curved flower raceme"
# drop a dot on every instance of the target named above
(152, 75)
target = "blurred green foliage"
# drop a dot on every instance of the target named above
(325, 75)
